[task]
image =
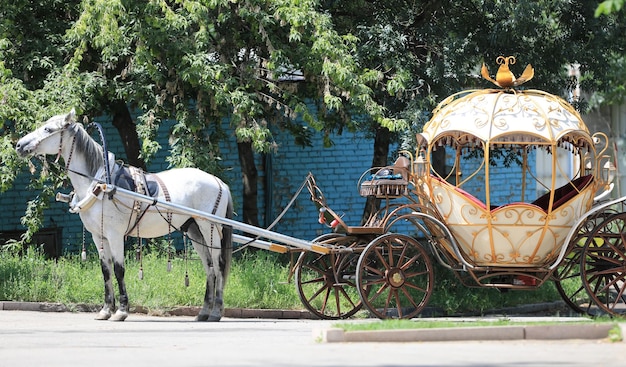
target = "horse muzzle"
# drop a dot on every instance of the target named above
(24, 149)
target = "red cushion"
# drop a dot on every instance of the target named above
(564, 193)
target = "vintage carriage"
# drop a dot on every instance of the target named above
(486, 213)
(471, 197)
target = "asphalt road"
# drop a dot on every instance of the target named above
(76, 339)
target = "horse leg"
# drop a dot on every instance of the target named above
(201, 246)
(118, 268)
(206, 241)
(109, 295)
(207, 313)
(122, 312)
(222, 256)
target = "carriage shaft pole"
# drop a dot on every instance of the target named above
(196, 214)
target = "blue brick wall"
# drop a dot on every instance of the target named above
(505, 182)
(337, 170)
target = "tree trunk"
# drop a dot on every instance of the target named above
(250, 189)
(123, 122)
(381, 152)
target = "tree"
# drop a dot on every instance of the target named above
(426, 50)
(200, 62)
(203, 61)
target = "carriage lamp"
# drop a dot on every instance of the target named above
(608, 172)
(588, 169)
(420, 166)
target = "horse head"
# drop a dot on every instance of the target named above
(46, 139)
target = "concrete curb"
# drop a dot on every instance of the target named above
(239, 313)
(335, 335)
(483, 333)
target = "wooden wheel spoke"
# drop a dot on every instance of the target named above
(325, 302)
(571, 264)
(570, 275)
(619, 296)
(619, 250)
(313, 268)
(337, 300)
(375, 271)
(317, 293)
(601, 259)
(410, 298)
(313, 281)
(611, 282)
(381, 258)
(398, 303)
(380, 291)
(390, 297)
(605, 271)
(402, 254)
(415, 286)
(347, 296)
(409, 262)
(577, 291)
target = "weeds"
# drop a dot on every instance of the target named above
(258, 279)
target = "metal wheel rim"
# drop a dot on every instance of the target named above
(315, 283)
(603, 265)
(394, 270)
(577, 297)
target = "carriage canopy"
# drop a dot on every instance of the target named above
(520, 166)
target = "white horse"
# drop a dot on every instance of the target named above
(110, 218)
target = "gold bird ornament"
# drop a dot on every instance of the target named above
(504, 76)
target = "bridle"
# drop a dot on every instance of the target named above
(60, 151)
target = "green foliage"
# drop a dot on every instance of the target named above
(260, 65)
(609, 6)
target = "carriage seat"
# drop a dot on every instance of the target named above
(561, 195)
(564, 193)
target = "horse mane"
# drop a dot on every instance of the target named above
(89, 148)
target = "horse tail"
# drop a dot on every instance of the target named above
(226, 254)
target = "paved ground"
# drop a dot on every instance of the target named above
(51, 339)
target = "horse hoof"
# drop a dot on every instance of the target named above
(119, 316)
(209, 318)
(103, 315)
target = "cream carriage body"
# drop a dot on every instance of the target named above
(526, 231)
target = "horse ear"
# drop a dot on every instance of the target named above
(70, 118)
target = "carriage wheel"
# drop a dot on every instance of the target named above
(567, 276)
(567, 279)
(395, 277)
(325, 283)
(603, 265)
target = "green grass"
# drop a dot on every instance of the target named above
(432, 324)
(258, 279)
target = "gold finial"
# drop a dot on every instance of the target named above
(504, 76)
